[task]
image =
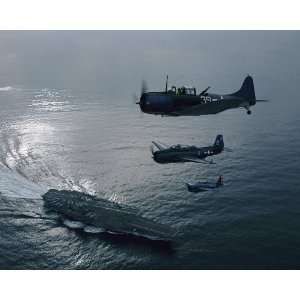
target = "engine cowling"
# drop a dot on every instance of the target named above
(156, 103)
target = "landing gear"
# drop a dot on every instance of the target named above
(248, 109)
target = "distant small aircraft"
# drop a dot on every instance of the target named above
(181, 153)
(204, 186)
(185, 101)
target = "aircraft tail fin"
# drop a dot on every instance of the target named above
(219, 142)
(247, 90)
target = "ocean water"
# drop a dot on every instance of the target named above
(96, 141)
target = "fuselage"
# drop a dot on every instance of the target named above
(180, 154)
(169, 104)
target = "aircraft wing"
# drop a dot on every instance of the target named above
(159, 146)
(199, 109)
(196, 160)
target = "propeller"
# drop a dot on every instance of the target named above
(152, 149)
(144, 89)
(136, 99)
(140, 99)
(167, 83)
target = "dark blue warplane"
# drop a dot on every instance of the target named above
(164, 154)
(185, 101)
(204, 186)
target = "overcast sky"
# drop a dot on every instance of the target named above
(116, 61)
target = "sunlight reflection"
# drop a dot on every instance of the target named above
(47, 100)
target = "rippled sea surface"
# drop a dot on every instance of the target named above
(82, 141)
(67, 121)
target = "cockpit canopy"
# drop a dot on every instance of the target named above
(184, 90)
(182, 147)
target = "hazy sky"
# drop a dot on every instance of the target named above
(116, 61)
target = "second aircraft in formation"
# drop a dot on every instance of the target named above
(182, 153)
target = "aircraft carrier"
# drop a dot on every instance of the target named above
(101, 215)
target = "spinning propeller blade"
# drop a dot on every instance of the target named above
(136, 99)
(152, 149)
(144, 87)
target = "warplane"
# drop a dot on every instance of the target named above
(204, 186)
(185, 101)
(181, 153)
